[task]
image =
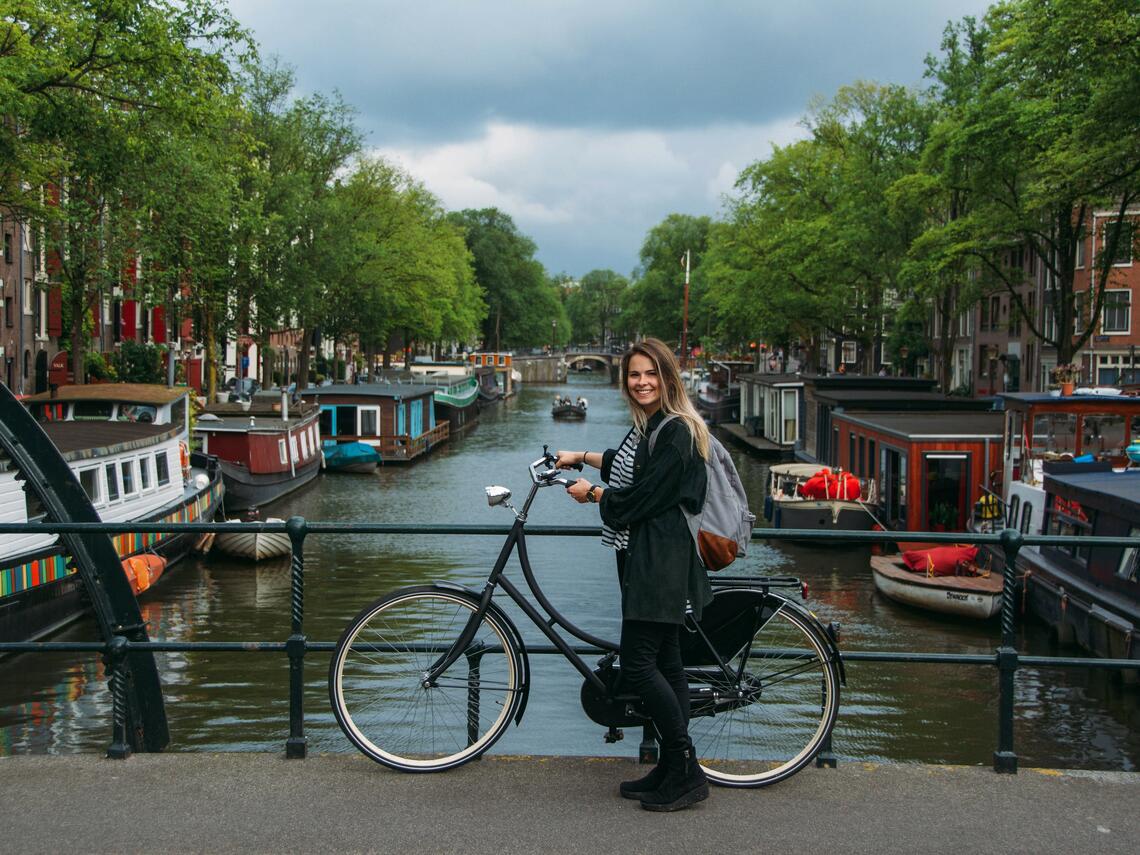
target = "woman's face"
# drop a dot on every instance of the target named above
(643, 384)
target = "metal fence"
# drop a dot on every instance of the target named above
(1006, 658)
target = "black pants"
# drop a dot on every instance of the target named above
(651, 666)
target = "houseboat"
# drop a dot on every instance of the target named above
(397, 420)
(929, 469)
(718, 398)
(808, 496)
(1040, 428)
(266, 447)
(456, 392)
(1089, 595)
(128, 446)
(495, 373)
(771, 408)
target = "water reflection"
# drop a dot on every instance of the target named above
(238, 701)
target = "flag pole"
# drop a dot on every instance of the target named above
(685, 317)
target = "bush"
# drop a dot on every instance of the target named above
(97, 368)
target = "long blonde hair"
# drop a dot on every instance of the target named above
(674, 399)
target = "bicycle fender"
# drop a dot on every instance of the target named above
(809, 616)
(516, 636)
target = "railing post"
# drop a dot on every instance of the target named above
(1005, 759)
(648, 751)
(295, 745)
(116, 659)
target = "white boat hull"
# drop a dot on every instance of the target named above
(938, 596)
(254, 545)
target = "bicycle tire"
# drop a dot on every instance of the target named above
(769, 724)
(377, 690)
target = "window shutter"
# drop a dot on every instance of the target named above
(55, 311)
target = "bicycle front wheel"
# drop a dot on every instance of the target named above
(380, 696)
(768, 719)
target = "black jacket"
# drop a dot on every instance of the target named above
(662, 570)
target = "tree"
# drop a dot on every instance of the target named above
(655, 302)
(1051, 135)
(522, 302)
(594, 306)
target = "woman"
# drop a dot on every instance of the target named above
(659, 572)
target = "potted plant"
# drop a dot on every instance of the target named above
(942, 516)
(1066, 375)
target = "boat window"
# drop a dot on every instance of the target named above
(369, 421)
(313, 436)
(1067, 517)
(345, 421)
(1026, 517)
(128, 469)
(790, 416)
(91, 411)
(1011, 511)
(144, 472)
(293, 447)
(178, 413)
(851, 452)
(1129, 559)
(142, 413)
(112, 482)
(1102, 434)
(281, 451)
(1054, 434)
(326, 421)
(305, 444)
(89, 479)
(48, 412)
(163, 468)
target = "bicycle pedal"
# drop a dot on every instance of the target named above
(614, 734)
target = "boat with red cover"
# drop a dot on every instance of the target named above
(945, 579)
(267, 447)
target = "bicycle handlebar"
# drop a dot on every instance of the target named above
(549, 475)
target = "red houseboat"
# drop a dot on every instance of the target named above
(929, 468)
(266, 449)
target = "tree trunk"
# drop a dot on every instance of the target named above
(303, 358)
(78, 345)
(211, 342)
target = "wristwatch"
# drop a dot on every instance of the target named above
(590, 495)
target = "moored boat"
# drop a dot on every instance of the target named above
(395, 419)
(349, 456)
(970, 594)
(266, 448)
(254, 545)
(809, 496)
(127, 446)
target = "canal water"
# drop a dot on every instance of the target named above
(59, 703)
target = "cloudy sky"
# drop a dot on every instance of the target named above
(590, 122)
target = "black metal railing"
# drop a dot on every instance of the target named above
(1006, 658)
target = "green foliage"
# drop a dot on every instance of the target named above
(654, 305)
(594, 306)
(97, 367)
(136, 362)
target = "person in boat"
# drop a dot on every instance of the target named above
(659, 572)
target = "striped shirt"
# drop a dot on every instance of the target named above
(621, 475)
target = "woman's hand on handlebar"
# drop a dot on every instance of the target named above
(578, 490)
(569, 460)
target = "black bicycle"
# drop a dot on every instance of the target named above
(428, 677)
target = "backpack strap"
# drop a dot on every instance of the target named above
(657, 430)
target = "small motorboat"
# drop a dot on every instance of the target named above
(564, 408)
(967, 591)
(254, 545)
(349, 456)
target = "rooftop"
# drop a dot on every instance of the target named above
(135, 393)
(942, 425)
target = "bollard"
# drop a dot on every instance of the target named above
(116, 659)
(1005, 759)
(295, 745)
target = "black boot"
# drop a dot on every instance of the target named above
(684, 783)
(636, 789)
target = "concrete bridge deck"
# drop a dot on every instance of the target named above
(345, 803)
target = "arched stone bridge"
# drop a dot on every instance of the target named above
(553, 368)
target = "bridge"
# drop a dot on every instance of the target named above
(554, 368)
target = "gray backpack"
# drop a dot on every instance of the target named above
(723, 527)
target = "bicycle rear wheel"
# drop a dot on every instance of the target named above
(376, 680)
(771, 717)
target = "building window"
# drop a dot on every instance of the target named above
(8, 247)
(29, 303)
(1080, 253)
(850, 352)
(1123, 254)
(1117, 311)
(41, 313)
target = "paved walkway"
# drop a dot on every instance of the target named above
(345, 803)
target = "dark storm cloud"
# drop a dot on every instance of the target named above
(441, 70)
